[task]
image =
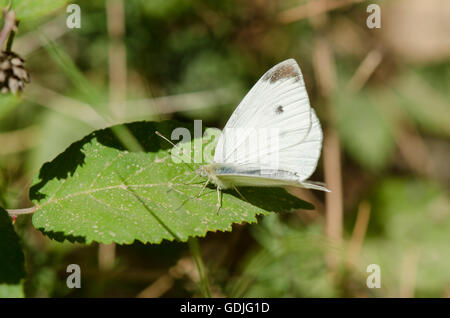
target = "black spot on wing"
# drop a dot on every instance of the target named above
(279, 110)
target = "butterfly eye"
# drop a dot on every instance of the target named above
(279, 110)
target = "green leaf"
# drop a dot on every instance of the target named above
(12, 264)
(26, 9)
(427, 106)
(96, 190)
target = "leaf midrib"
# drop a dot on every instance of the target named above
(119, 186)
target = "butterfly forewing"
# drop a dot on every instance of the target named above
(274, 127)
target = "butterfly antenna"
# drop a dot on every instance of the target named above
(170, 142)
(163, 137)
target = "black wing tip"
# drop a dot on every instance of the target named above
(289, 62)
(284, 70)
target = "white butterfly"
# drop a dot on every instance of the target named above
(277, 107)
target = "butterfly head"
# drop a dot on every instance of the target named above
(204, 171)
(210, 172)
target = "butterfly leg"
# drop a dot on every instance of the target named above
(190, 181)
(204, 186)
(219, 199)
(240, 194)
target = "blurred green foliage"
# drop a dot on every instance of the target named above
(289, 263)
(414, 222)
(30, 10)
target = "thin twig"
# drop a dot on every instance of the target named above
(413, 149)
(106, 256)
(333, 178)
(137, 109)
(365, 70)
(65, 105)
(117, 95)
(31, 41)
(184, 266)
(359, 232)
(325, 73)
(324, 66)
(313, 8)
(17, 212)
(117, 57)
(8, 26)
(408, 273)
(158, 287)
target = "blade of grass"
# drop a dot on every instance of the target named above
(90, 94)
(196, 254)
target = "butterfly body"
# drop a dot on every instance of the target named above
(229, 176)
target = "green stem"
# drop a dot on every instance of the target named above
(196, 254)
